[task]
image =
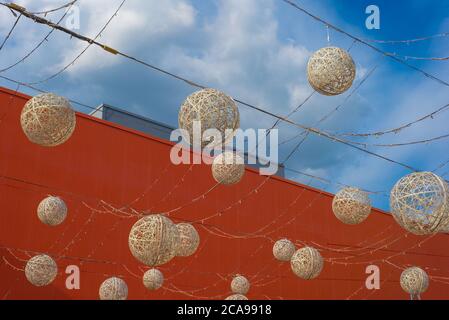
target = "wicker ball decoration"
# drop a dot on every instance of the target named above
(214, 109)
(153, 279)
(228, 168)
(419, 203)
(236, 297)
(189, 240)
(153, 240)
(283, 250)
(240, 285)
(414, 280)
(351, 205)
(41, 270)
(113, 289)
(331, 71)
(52, 211)
(307, 263)
(48, 120)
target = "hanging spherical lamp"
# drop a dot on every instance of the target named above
(351, 205)
(48, 120)
(236, 297)
(283, 250)
(153, 240)
(419, 203)
(240, 285)
(214, 110)
(52, 211)
(41, 270)
(228, 168)
(113, 289)
(414, 280)
(307, 263)
(189, 240)
(331, 71)
(153, 279)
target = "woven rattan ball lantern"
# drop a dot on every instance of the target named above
(52, 211)
(113, 289)
(214, 109)
(307, 263)
(283, 250)
(153, 240)
(331, 71)
(351, 205)
(48, 120)
(236, 297)
(189, 239)
(153, 279)
(414, 280)
(41, 270)
(240, 285)
(419, 202)
(228, 168)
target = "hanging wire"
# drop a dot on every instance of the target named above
(44, 40)
(10, 32)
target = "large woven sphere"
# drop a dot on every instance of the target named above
(228, 168)
(52, 211)
(48, 120)
(414, 280)
(41, 270)
(240, 285)
(153, 279)
(214, 109)
(236, 297)
(331, 71)
(307, 263)
(113, 289)
(189, 239)
(351, 205)
(153, 240)
(419, 202)
(283, 250)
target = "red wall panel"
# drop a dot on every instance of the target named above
(104, 166)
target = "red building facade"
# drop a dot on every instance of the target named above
(107, 174)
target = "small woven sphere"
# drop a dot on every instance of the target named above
(283, 250)
(153, 279)
(153, 240)
(48, 120)
(189, 240)
(52, 211)
(113, 289)
(215, 110)
(414, 280)
(351, 205)
(41, 270)
(307, 263)
(419, 203)
(236, 297)
(228, 168)
(331, 71)
(240, 285)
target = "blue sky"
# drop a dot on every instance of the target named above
(257, 50)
